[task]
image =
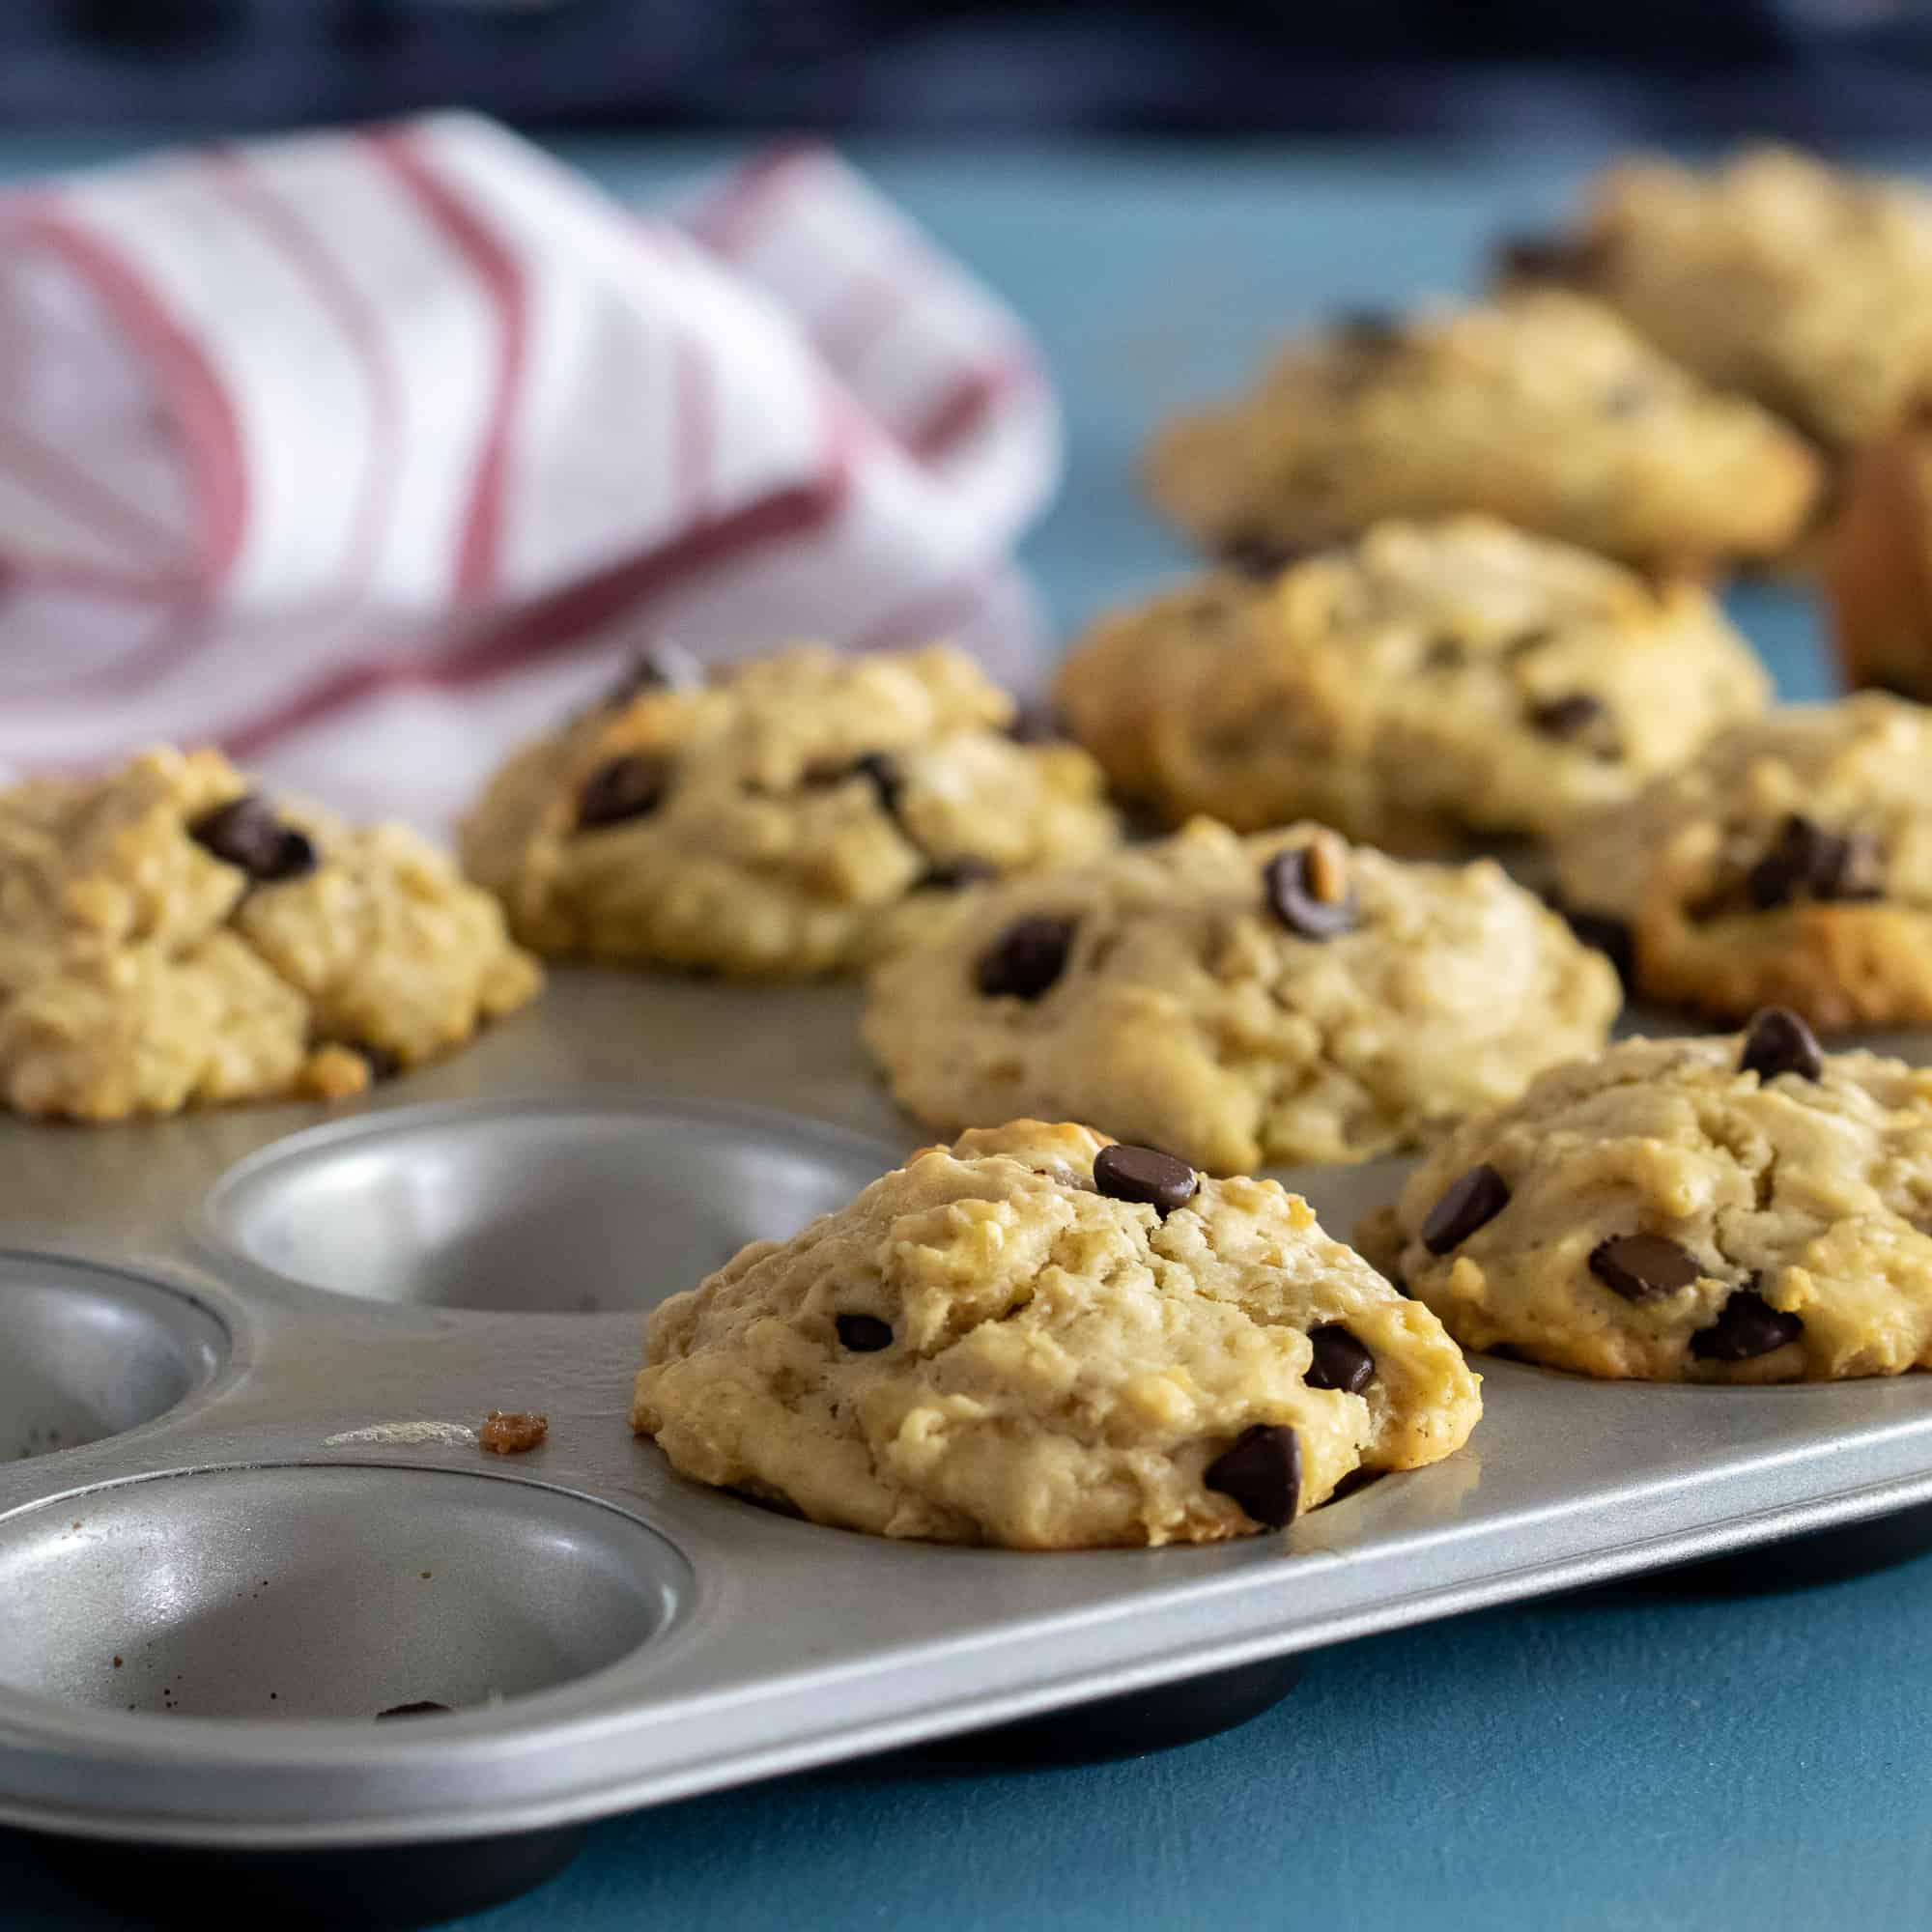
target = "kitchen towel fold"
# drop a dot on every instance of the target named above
(363, 454)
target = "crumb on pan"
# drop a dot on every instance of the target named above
(511, 1431)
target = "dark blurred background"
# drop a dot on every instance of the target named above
(1818, 70)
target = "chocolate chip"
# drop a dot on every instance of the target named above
(1145, 1175)
(632, 786)
(660, 668)
(953, 875)
(1341, 1362)
(1027, 958)
(1444, 654)
(1290, 878)
(425, 1709)
(1609, 935)
(1748, 1326)
(1778, 1042)
(1638, 1267)
(246, 833)
(1467, 1205)
(1262, 1471)
(1810, 862)
(881, 770)
(1567, 717)
(1255, 555)
(863, 1334)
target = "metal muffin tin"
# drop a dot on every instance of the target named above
(234, 1533)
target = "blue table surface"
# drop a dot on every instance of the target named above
(1596, 1764)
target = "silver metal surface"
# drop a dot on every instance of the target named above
(566, 1206)
(721, 1642)
(86, 1352)
(290, 1593)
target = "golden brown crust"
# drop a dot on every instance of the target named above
(984, 1347)
(816, 808)
(1791, 1206)
(1544, 408)
(1189, 1016)
(1427, 682)
(142, 972)
(1876, 566)
(1708, 870)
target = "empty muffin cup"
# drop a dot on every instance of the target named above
(87, 1353)
(381, 1594)
(542, 1207)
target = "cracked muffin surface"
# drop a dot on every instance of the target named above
(791, 815)
(1806, 286)
(1737, 1208)
(170, 937)
(1039, 1339)
(1544, 408)
(1788, 863)
(1239, 1002)
(1427, 682)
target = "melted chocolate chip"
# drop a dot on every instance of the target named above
(1640, 1266)
(1027, 958)
(863, 1334)
(424, 1709)
(1778, 1042)
(1748, 1326)
(1255, 555)
(1444, 654)
(1291, 895)
(246, 833)
(1467, 1205)
(623, 788)
(1341, 1362)
(1567, 717)
(1145, 1175)
(1808, 861)
(1262, 1472)
(953, 875)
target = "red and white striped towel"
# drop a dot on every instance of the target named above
(363, 454)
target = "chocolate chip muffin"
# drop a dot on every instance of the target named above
(794, 815)
(1545, 410)
(1239, 1001)
(1741, 1209)
(170, 936)
(1040, 1339)
(1804, 286)
(1425, 684)
(1789, 863)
